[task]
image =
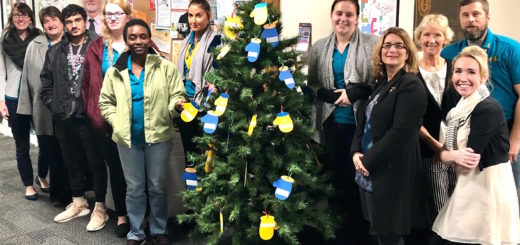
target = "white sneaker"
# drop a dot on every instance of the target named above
(98, 219)
(76, 209)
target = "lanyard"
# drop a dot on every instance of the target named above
(74, 62)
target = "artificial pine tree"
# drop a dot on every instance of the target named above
(262, 136)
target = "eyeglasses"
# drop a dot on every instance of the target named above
(20, 15)
(396, 45)
(116, 14)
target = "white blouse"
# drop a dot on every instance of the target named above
(435, 82)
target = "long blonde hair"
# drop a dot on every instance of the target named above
(105, 31)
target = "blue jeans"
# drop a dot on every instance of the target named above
(146, 162)
(516, 172)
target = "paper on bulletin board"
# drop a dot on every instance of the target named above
(163, 14)
(139, 14)
(225, 8)
(180, 4)
(176, 50)
(161, 38)
(60, 4)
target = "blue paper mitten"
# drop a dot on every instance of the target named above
(210, 121)
(190, 176)
(253, 49)
(283, 187)
(270, 34)
(286, 76)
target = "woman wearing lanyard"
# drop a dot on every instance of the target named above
(194, 61)
(16, 36)
(101, 55)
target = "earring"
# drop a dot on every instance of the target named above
(31, 26)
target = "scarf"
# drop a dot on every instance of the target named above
(459, 116)
(15, 47)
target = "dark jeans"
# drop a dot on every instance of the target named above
(338, 138)
(188, 132)
(60, 191)
(117, 177)
(78, 142)
(20, 127)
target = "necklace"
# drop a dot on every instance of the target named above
(75, 63)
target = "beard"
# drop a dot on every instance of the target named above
(477, 34)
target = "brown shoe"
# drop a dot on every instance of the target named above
(160, 240)
(135, 242)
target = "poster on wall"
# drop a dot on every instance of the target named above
(163, 14)
(60, 4)
(425, 7)
(378, 15)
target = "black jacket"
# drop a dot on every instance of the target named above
(434, 113)
(56, 87)
(395, 155)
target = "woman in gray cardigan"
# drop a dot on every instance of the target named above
(29, 103)
(194, 61)
(339, 74)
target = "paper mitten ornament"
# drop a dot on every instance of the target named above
(253, 49)
(283, 187)
(190, 111)
(209, 153)
(252, 125)
(190, 176)
(231, 26)
(270, 34)
(223, 51)
(210, 121)
(286, 76)
(267, 227)
(221, 103)
(284, 122)
(259, 13)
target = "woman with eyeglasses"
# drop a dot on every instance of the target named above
(386, 142)
(16, 36)
(101, 55)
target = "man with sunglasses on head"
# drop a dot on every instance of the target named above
(61, 92)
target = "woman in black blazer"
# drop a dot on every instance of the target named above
(431, 35)
(386, 142)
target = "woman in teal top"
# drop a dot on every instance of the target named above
(338, 62)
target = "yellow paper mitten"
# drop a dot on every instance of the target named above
(259, 13)
(223, 51)
(190, 111)
(231, 26)
(209, 153)
(284, 122)
(221, 104)
(252, 125)
(267, 227)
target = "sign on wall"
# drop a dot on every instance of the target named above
(378, 15)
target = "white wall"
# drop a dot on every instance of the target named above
(502, 13)
(318, 14)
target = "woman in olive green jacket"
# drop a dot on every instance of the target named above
(140, 95)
